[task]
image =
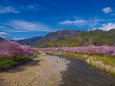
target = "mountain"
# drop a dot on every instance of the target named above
(2, 39)
(72, 38)
(51, 39)
(97, 38)
(55, 38)
(30, 41)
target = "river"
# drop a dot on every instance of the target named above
(53, 70)
(80, 73)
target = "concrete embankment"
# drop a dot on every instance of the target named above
(99, 64)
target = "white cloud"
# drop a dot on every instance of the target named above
(24, 26)
(3, 33)
(107, 27)
(8, 9)
(82, 22)
(28, 26)
(89, 29)
(33, 7)
(94, 28)
(76, 22)
(18, 38)
(107, 10)
(91, 24)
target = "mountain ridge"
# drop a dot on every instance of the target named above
(72, 38)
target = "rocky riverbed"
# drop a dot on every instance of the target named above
(42, 71)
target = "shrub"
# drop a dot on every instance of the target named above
(11, 62)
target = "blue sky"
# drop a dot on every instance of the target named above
(28, 18)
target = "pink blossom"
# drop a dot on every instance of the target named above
(9, 48)
(88, 50)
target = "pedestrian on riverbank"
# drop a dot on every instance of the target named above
(65, 60)
(57, 60)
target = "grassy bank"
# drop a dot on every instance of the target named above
(104, 58)
(9, 62)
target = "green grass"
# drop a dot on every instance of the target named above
(55, 51)
(109, 59)
(105, 58)
(34, 52)
(69, 54)
(8, 62)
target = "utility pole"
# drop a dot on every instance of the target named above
(10, 38)
(59, 40)
(91, 38)
(60, 43)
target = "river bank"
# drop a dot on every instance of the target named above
(10, 62)
(79, 73)
(42, 71)
(104, 63)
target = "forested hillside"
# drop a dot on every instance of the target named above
(73, 38)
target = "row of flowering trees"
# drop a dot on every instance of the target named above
(88, 50)
(12, 49)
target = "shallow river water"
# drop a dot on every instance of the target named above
(80, 73)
